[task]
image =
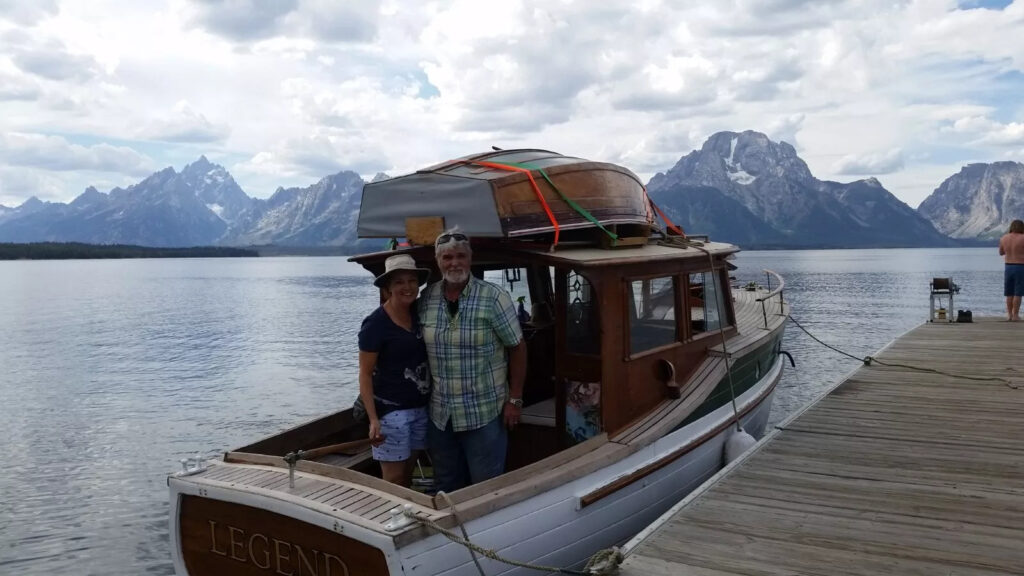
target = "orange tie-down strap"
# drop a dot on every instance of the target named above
(668, 223)
(533, 183)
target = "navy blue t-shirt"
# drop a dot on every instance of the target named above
(401, 379)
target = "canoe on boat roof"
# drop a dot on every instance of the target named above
(506, 193)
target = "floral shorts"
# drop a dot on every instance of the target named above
(404, 432)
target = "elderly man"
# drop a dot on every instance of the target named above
(469, 326)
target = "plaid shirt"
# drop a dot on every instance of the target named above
(466, 352)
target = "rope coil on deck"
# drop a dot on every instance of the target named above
(869, 360)
(602, 563)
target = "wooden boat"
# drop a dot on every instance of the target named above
(641, 362)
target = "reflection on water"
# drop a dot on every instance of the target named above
(111, 371)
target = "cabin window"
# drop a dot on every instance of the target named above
(652, 318)
(514, 281)
(582, 331)
(705, 302)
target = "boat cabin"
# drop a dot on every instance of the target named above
(616, 316)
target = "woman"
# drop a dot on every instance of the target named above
(394, 383)
(1011, 246)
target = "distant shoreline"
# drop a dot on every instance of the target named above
(81, 251)
(825, 246)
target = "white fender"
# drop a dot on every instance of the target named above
(738, 443)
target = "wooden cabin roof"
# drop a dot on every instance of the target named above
(593, 256)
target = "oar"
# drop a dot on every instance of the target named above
(349, 448)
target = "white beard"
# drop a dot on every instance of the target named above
(456, 276)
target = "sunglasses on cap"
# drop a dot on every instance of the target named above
(454, 237)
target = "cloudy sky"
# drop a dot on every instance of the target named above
(284, 92)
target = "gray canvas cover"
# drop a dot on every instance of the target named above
(464, 202)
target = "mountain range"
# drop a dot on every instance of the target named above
(745, 188)
(739, 187)
(980, 201)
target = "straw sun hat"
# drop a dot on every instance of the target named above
(400, 262)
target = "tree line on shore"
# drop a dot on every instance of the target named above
(78, 250)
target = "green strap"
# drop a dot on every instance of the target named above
(579, 209)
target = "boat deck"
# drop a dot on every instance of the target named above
(364, 505)
(892, 471)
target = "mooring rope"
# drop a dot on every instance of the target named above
(721, 330)
(869, 360)
(602, 563)
(465, 535)
(684, 242)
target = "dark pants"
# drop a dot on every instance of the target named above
(1013, 280)
(464, 458)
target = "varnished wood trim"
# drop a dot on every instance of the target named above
(528, 472)
(250, 458)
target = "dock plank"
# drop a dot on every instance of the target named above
(895, 471)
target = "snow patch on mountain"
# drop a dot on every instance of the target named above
(735, 172)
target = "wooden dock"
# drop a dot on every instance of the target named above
(893, 471)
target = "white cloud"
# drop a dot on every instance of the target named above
(785, 129)
(986, 131)
(302, 161)
(57, 154)
(48, 58)
(870, 164)
(17, 87)
(18, 185)
(185, 125)
(248, 20)
(242, 19)
(25, 13)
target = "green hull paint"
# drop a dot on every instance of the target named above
(746, 372)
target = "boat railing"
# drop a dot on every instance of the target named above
(773, 294)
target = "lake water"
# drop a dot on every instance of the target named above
(113, 370)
